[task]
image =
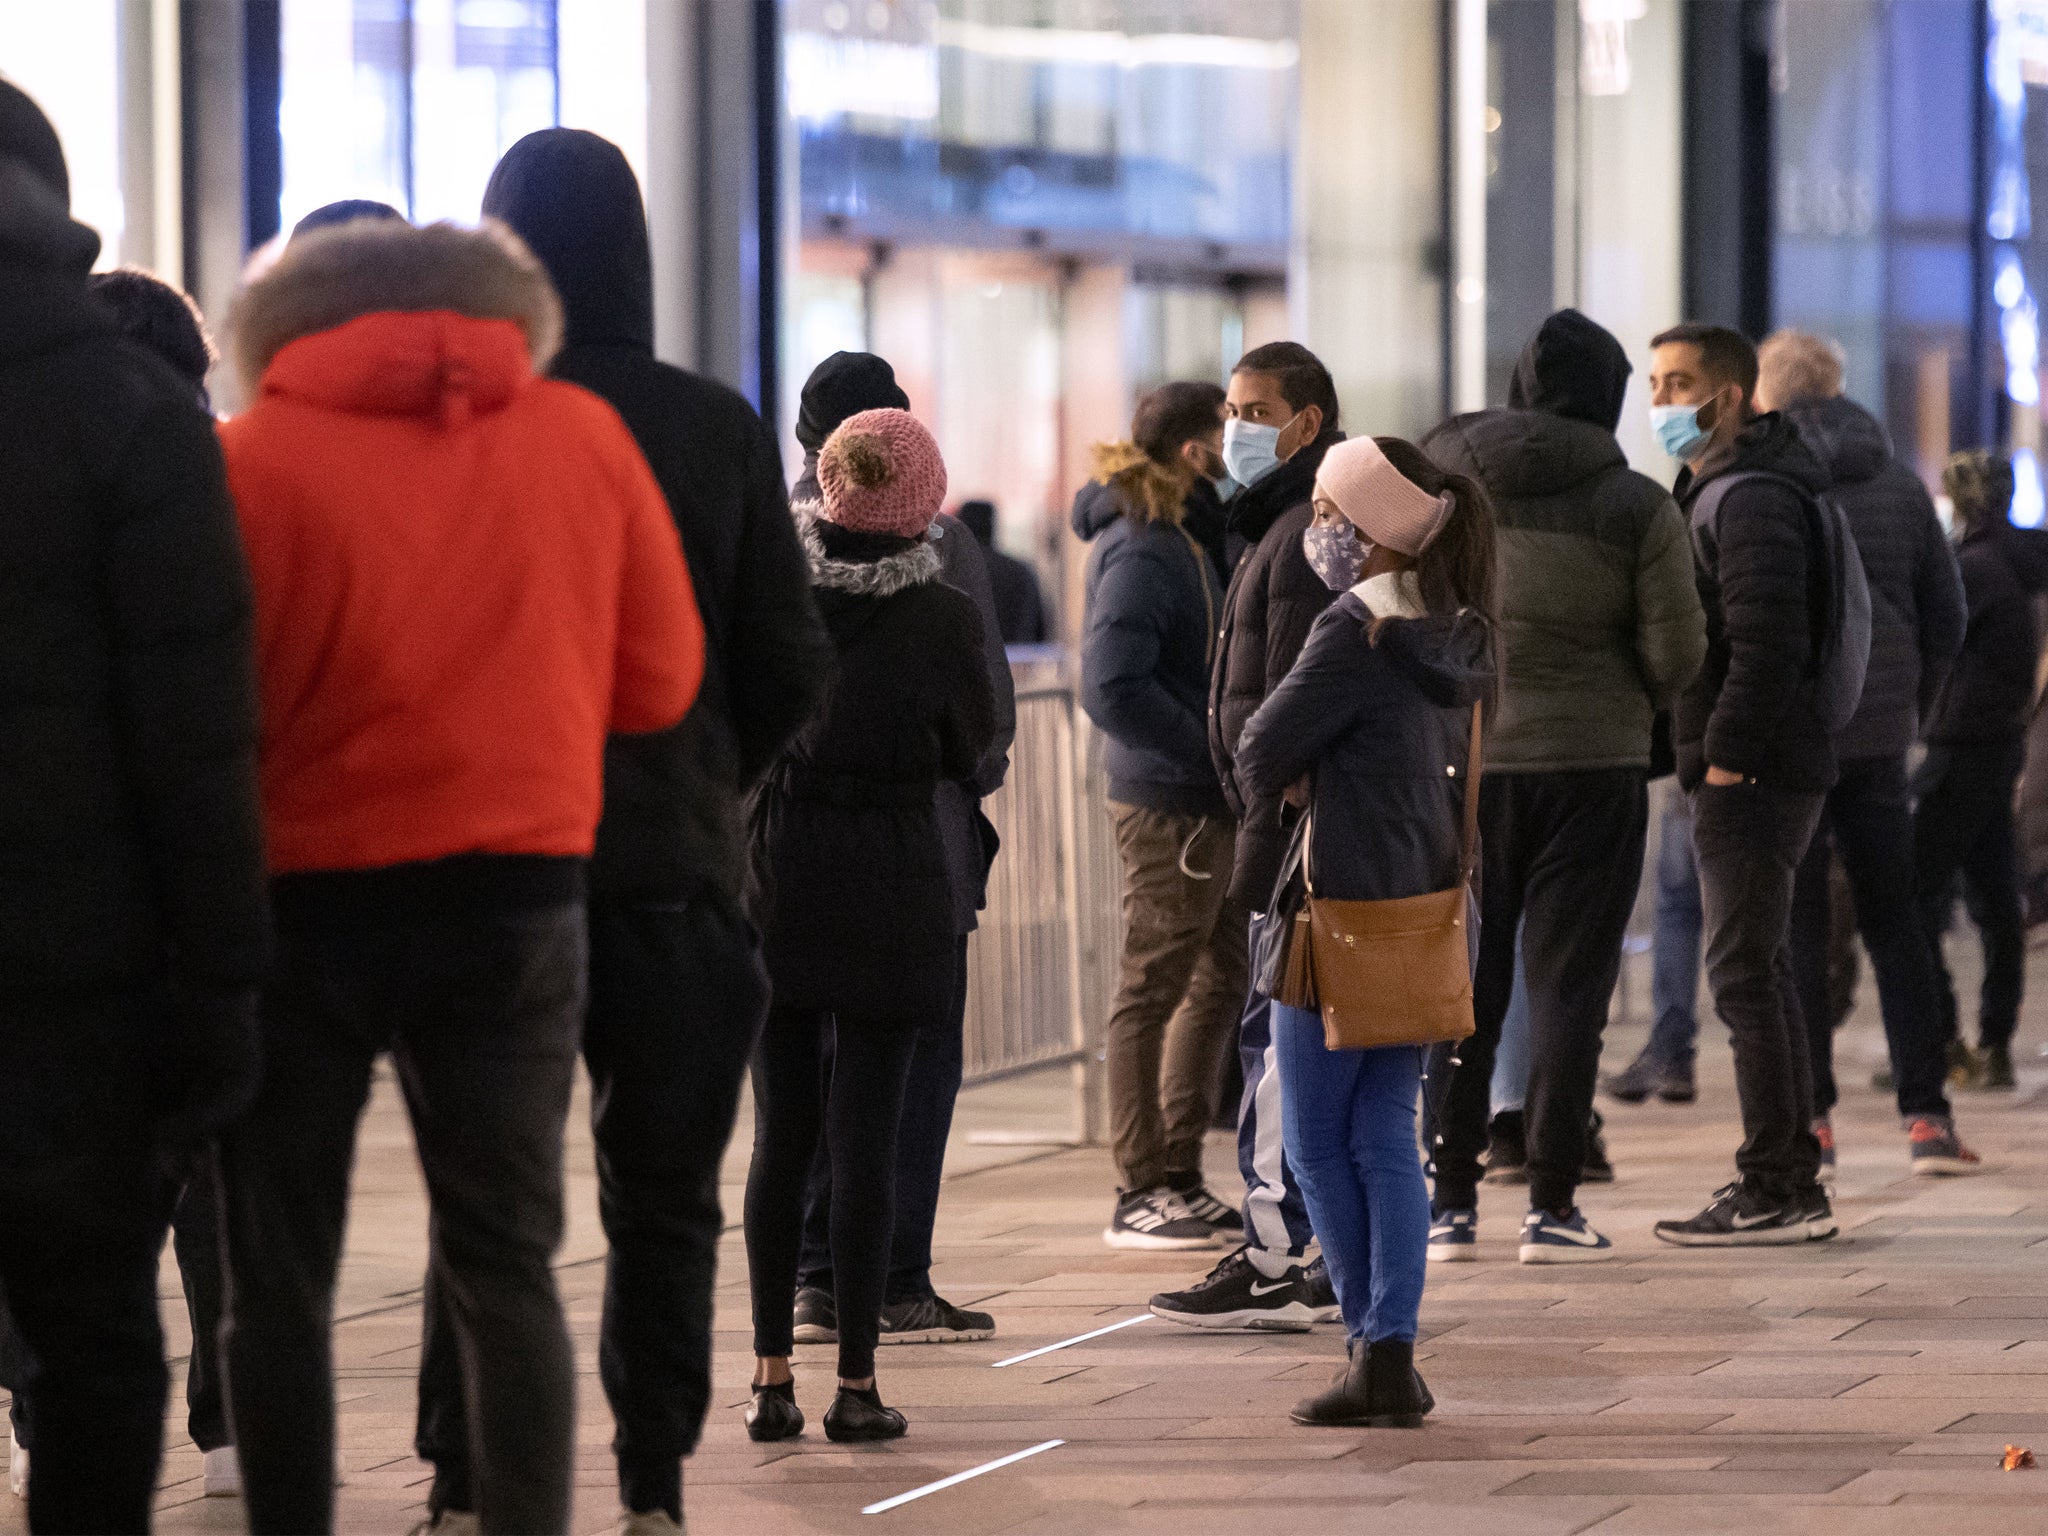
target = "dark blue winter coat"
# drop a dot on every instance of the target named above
(1154, 607)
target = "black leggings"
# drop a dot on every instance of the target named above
(858, 1108)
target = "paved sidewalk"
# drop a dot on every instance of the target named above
(1864, 1387)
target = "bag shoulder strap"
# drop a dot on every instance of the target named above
(1468, 843)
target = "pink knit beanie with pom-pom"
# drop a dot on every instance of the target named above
(881, 473)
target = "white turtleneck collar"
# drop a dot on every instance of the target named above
(1392, 595)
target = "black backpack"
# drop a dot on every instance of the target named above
(1838, 594)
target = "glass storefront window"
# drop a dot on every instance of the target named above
(1036, 209)
(68, 57)
(411, 102)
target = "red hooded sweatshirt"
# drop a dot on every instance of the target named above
(465, 574)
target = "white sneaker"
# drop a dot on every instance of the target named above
(650, 1522)
(17, 1465)
(222, 1476)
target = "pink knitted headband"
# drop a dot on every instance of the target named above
(1378, 500)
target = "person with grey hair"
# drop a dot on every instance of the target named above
(1917, 619)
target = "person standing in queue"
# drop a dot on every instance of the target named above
(1280, 418)
(677, 991)
(856, 909)
(134, 932)
(1600, 628)
(1976, 746)
(913, 1312)
(1153, 608)
(1377, 718)
(466, 579)
(1917, 619)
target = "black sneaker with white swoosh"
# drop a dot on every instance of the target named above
(1741, 1216)
(1238, 1294)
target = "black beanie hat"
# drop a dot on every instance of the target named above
(346, 211)
(26, 135)
(844, 385)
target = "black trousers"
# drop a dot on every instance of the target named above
(677, 995)
(1563, 855)
(856, 1109)
(1965, 826)
(936, 1066)
(84, 1202)
(1868, 818)
(1750, 839)
(195, 1237)
(481, 1011)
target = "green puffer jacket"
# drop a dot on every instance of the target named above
(1600, 617)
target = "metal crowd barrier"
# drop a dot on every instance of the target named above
(1042, 968)
(1042, 971)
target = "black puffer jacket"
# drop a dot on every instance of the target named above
(130, 839)
(1153, 607)
(1916, 596)
(851, 885)
(1600, 615)
(672, 822)
(1385, 727)
(1273, 602)
(1988, 695)
(1752, 708)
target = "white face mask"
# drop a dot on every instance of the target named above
(1251, 450)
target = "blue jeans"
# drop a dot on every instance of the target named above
(1349, 1122)
(1675, 946)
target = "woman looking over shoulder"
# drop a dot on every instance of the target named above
(1377, 715)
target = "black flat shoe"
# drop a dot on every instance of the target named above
(860, 1415)
(773, 1414)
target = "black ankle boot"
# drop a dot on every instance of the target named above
(1396, 1397)
(859, 1414)
(773, 1414)
(1346, 1401)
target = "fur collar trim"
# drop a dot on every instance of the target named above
(916, 567)
(1151, 492)
(332, 276)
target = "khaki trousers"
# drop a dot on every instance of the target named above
(1181, 990)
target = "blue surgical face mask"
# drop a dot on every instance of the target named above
(1678, 430)
(1336, 553)
(1251, 450)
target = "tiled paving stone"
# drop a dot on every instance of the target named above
(1861, 1388)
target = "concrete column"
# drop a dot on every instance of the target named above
(1367, 264)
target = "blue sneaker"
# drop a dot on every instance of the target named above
(1454, 1236)
(1548, 1240)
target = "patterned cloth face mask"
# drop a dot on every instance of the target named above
(1336, 553)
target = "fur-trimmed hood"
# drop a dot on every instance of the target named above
(913, 567)
(1150, 491)
(331, 277)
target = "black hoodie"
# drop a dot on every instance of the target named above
(671, 827)
(1600, 615)
(131, 845)
(1916, 596)
(1752, 709)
